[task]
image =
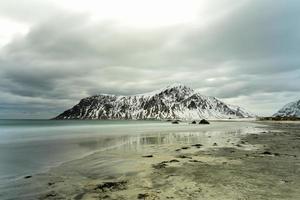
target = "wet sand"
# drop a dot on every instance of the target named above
(260, 165)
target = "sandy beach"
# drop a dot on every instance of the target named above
(149, 100)
(262, 163)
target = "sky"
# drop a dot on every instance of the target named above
(55, 52)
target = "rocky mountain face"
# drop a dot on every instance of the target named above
(172, 102)
(290, 110)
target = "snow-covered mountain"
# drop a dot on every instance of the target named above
(289, 110)
(173, 102)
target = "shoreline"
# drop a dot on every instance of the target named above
(193, 169)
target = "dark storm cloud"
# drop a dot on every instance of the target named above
(246, 56)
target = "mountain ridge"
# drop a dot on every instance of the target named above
(291, 109)
(176, 101)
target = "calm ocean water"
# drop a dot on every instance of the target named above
(31, 146)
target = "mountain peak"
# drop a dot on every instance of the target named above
(178, 88)
(173, 88)
(177, 85)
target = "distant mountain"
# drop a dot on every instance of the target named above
(173, 102)
(289, 110)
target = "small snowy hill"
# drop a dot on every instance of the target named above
(173, 102)
(290, 110)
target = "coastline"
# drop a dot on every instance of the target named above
(237, 169)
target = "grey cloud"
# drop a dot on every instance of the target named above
(28, 11)
(257, 30)
(250, 52)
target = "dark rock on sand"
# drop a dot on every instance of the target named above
(193, 122)
(142, 196)
(147, 156)
(112, 186)
(215, 144)
(51, 183)
(197, 145)
(203, 121)
(163, 164)
(184, 156)
(29, 176)
(185, 147)
(175, 122)
(195, 161)
(267, 153)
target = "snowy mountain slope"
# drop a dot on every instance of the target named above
(290, 110)
(173, 102)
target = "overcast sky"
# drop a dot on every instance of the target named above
(53, 53)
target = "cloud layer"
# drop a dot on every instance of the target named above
(245, 53)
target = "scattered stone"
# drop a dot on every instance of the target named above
(51, 183)
(174, 160)
(112, 186)
(178, 150)
(194, 122)
(185, 147)
(147, 156)
(215, 144)
(29, 176)
(203, 121)
(184, 156)
(238, 145)
(175, 122)
(267, 153)
(142, 196)
(195, 161)
(197, 145)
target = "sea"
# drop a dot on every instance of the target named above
(28, 147)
